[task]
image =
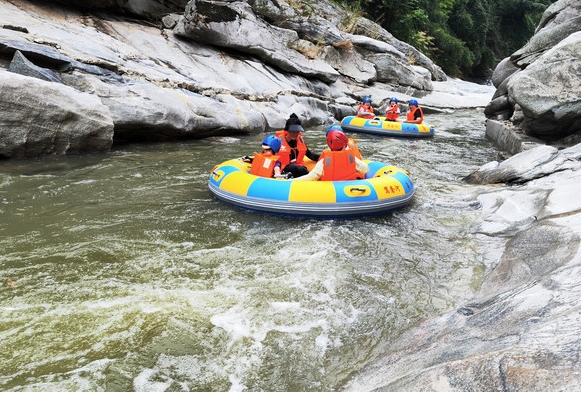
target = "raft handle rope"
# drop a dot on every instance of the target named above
(358, 189)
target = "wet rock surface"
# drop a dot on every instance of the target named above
(202, 68)
(519, 333)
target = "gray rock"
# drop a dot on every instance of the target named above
(314, 29)
(546, 86)
(530, 255)
(21, 65)
(234, 26)
(39, 117)
(548, 91)
(559, 21)
(394, 71)
(520, 168)
(363, 26)
(499, 108)
(520, 332)
(143, 8)
(47, 57)
(503, 70)
(154, 84)
(350, 63)
(509, 138)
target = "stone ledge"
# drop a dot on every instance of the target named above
(508, 138)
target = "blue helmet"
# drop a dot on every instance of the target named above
(367, 99)
(394, 99)
(334, 127)
(413, 102)
(272, 142)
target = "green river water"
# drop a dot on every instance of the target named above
(121, 272)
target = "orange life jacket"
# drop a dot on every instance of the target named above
(263, 164)
(353, 147)
(392, 113)
(412, 114)
(338, 165)
(285, 150)
(363, 109)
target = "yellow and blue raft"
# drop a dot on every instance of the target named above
(381, 126)
(384, 189)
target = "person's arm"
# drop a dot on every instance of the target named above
(312, 156)
(314, 174)
(277, 169)
(248, 159)
(360, 166)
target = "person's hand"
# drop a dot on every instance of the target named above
(246, 159)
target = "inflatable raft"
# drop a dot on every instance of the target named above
(381, 126)
(384, 189)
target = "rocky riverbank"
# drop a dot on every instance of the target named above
(519, 333)
(78, 77)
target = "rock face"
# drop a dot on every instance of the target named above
(68, 122)
(538, 86)
(520, 332)
(194, 69)
(145, 8)
(235, 26)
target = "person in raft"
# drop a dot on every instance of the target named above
(392, 111)
(351, 145)
(294, 149)
(415, 114)
(266, 164)
(365, 110)
(337, 163)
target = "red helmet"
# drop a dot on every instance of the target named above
(337, 140)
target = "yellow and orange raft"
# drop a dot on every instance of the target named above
(385, 188)
(383, 127)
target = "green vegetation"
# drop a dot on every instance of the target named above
(467, 38)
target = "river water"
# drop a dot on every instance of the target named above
(121, 272)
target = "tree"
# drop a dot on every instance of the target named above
(467, 38)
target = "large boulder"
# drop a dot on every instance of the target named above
(235, 26)
(363, 26)
(559, 21)
(503, 70)
(40, 117)
(538, 85)
(548, 91)
(519, 168)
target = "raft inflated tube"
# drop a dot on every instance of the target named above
(381, 126)
(384, 189)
